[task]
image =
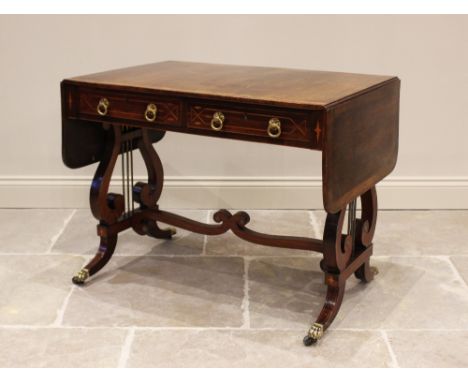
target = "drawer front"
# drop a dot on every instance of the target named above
(252, 123)
(107, 106)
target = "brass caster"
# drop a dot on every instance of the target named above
(308, 340)
(374, 270)
(172, 230)
(81, 277)
(315, 333)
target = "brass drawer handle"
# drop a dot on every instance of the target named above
(217, 121)
(151, 112)
(103, 106)
(274, 128)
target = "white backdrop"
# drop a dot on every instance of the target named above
(428, 53)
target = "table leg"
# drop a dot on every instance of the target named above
(343, 255)
(104, 254)
(105, 207)
(116, 212)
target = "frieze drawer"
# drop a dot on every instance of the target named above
(135, 109)
(250, 123)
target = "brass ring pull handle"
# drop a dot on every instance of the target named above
(274, 128)
(217, 121)
(103, 106)
(151, 112)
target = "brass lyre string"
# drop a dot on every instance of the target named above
(122, 151)
(126, 153)
(127, 164)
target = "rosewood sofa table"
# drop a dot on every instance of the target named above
(351, 118)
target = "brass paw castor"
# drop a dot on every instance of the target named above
(81, 277)
(315, 333)
(308, 340)
(172, 230)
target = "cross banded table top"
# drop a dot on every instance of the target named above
(289, 87)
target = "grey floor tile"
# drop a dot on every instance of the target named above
(80, 237)
(422, 233)
(430, 348)
(408, 293)
(33, 288)
(420, 301)
(403, 233)
(255, 348)
(28, 230)
(161, 291)
(287, 222)
(285, 293)
(56, 347)
(461, 265)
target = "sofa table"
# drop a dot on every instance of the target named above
(351, 118)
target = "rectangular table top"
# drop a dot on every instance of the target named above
(289, 87)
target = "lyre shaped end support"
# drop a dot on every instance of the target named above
(148, 194)
(107, 208)
(343, 255)
(365, 232)
(366, 224)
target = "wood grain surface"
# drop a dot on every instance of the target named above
(289, 87)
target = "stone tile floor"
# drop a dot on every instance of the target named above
(219, 301)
